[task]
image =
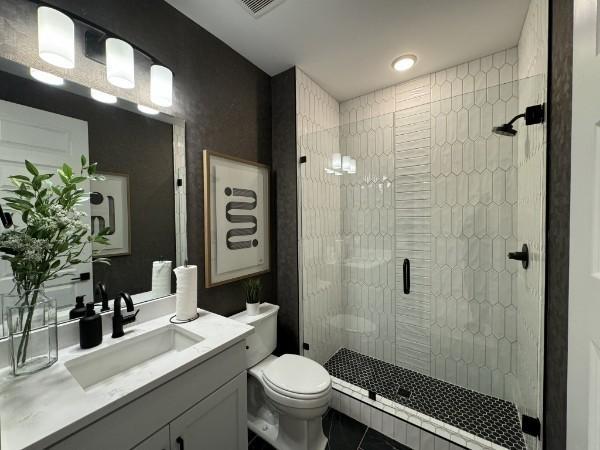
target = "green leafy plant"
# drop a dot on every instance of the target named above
(53, 236)
(252, 288)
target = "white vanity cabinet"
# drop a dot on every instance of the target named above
(218, 422)
(158, 441)
(202, 408)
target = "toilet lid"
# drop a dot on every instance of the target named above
(297, 374)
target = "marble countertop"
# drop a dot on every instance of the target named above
(38, 410)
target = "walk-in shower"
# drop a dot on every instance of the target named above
(408, 295)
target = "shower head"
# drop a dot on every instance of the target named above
(505, 130)
(533, 115)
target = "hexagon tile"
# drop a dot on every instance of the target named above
(492, 420)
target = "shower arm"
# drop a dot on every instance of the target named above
(517, 117)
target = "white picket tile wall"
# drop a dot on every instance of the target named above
(473, 176)
(367, 203)
(317, 138)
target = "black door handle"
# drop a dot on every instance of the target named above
(406, 275)
(85, 276)
(179, 442)
(522, 256)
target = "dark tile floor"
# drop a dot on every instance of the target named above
(344, 433)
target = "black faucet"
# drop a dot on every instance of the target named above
(118, 319)
(101, 292)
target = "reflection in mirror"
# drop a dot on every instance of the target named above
(135, 200)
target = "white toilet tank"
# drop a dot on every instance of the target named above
(263, 341)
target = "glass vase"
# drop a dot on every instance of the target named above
(32, 331)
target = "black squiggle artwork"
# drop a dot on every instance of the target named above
(241, 218)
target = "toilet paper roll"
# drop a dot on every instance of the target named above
(187, 282)
(161, 278)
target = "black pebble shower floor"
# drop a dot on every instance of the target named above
(490, 418)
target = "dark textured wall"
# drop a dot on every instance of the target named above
(121, 142)
(557, 237)
(224, 99)
(285, 169)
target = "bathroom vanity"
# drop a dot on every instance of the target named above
(161, 386)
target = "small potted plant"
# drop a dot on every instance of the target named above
(252, 290)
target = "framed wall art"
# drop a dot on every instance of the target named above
(236, 218)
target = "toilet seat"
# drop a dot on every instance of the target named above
(297, 382)
(297, 403)
(296, 375)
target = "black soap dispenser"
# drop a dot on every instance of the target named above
(90, 328)
(79, 310)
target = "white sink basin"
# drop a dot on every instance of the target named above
(131, 354)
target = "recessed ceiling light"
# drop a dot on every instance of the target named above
(404, 62)
(46, 77)
(147, 110)
(102, 96)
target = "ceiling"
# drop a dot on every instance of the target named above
(347, 46)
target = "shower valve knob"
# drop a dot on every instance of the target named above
(522, 256)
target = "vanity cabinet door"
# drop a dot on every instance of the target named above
(217, 422)
(158, 441)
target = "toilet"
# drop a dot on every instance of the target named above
(287, 395)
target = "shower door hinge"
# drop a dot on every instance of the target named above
(305, 346)
(531, 426)
(302, 159)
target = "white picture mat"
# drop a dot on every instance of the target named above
(227, 265)
(116, 187)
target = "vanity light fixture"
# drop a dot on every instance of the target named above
(404, 62)
(56, 42)
(336, 161)
(102, 97)
(120, 65)
(352, 169)
(46, 77)
(161, 85)
(147, 110)
(346, 163)
(56, 37)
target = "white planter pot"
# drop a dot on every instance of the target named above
(253, 309)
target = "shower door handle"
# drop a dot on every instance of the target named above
(406, 275)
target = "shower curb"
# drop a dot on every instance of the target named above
(420, 432)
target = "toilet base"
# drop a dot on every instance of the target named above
(289, 434)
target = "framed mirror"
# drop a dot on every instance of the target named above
(141, 199)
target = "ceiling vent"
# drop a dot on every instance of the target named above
(258, 8)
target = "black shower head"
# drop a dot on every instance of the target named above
(505, 130)
(533, 115)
